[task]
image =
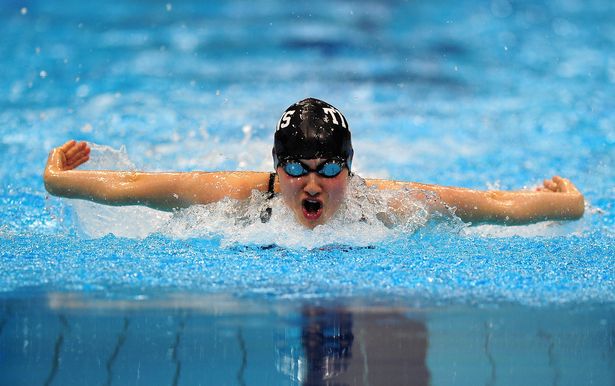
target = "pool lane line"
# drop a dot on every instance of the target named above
(175, 348)
(121, 339)
(55, 361)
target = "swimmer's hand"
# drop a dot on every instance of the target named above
(558, 184)
(68, 156)
(61, 159)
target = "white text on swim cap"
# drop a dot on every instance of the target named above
(332, 112)
(285, 120)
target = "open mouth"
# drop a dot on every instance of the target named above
(312, 208)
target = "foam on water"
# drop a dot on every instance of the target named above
(364, 219)
(96, 220)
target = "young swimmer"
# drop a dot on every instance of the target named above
(312, 157)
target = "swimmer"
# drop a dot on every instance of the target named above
(312, 158)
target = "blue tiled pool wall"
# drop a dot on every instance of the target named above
(191, 343)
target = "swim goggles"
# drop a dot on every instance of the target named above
(328, 169)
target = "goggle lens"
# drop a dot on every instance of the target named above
(328, 169)
(295, 169)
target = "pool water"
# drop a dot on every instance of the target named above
(477, 94)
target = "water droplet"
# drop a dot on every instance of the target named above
(87, 128)
(24, 10)
(43, 74)
(169, 7)
(83, 91)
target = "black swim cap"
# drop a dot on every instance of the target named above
(312, 129)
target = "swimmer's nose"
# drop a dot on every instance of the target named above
(312, 187)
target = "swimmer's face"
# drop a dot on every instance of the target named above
(314, 199)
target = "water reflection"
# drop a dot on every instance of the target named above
(326, 338)
(74, 339)
(346, 348)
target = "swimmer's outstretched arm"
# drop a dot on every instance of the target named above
(162, 191)
(557, 199)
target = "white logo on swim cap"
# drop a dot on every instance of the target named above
(285, 120)
(333, 112)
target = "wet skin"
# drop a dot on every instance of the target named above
(312, 198)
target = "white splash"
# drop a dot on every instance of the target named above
(97, 220)
(365, 218)
(368, 216)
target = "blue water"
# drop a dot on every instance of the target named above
(477, 94)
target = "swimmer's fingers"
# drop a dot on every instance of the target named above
(68, 156)
(77, 161)
(558, 184)
(74, 149)
(547, 186)
(564, 185)
(67, 146)
(77, 155)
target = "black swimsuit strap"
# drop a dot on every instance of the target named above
(266, 212)
(271, 186)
